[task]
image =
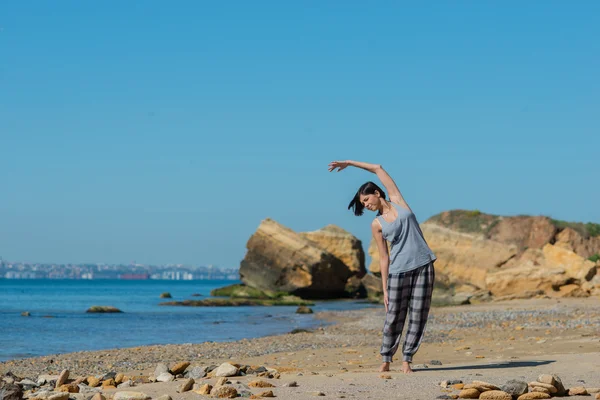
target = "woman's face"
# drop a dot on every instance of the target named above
(371, 201)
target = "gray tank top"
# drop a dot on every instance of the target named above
(408, 248)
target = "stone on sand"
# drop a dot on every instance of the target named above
(533, 396)
(470, 393)
(224, 392)
(179, 368)
(226, 369)
(261, 384)
(495, 395)
(127, 395)
(165, 377)
(515, 387)
(59, 396)
(204, 389)
(62, 378)
(578, 391)
(186, 386)
(551, 388)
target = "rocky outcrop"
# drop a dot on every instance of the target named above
(466, 257)
(572, 240)
(523, 231)
(341, 244)
(279, 259)
(513, 255)
(478, 256)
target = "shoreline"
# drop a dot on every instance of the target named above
(497, 340)
(446, 324)
(67, 327)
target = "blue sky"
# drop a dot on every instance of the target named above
(166, 131)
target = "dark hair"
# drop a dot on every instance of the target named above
(366, 188)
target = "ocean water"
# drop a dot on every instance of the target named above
(59, 322)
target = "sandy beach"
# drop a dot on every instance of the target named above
(493, 342)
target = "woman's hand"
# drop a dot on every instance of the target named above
(337, 164)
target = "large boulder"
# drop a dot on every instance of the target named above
(342, 244)
(574, 265)
(279, 259)
(372, 285)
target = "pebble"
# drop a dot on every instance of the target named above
(179, 368)
(119, 378)
(164, 377)
(204, 389)
(260, 384)
(578, 391)
(469, 394)
(227, 370)
(540, 389)
(165, 397)
(62, 378)
(186, 386)
(551, 388)
(59, 396)
(290, 384)
(495, 395)
(130, 396)
(221, 381)
(161, 369)
(93, 381)
(486, 385)
(317, 393)
(533, 396)
(196, 373)
(515, 387)
(548, 379)
(560, 389)
(224, 392)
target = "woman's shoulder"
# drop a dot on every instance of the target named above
(376, 223)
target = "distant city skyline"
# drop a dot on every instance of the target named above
(23, 270)
(166, 134)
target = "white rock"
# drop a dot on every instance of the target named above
(165, 377)
(131, 396)
(226, 370)
(161, 369)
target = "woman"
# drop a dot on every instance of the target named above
(407, 272)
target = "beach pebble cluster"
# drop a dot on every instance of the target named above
(183, 374)
(545, 387)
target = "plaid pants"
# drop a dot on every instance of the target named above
(408, 292)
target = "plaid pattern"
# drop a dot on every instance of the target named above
(409, 293)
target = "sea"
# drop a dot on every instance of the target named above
(58, 322)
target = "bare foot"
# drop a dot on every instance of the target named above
(406, 367)
(384, 367)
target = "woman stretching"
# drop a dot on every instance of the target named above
(407, 272)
